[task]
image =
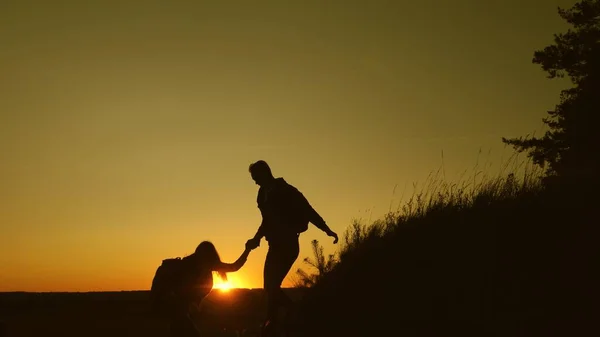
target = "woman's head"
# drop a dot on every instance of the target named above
(207, 253)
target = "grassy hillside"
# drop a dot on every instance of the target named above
(505, 257)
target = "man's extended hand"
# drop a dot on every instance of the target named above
(334, 235)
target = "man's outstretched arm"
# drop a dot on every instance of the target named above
(315, 218)
(318, 221)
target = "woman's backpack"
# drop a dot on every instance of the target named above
(167, 279)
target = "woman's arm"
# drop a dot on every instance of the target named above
(233, 267)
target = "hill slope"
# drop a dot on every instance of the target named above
(511, 259)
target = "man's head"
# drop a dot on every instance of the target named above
(261, 172)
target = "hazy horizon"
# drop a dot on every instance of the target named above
(127, 128)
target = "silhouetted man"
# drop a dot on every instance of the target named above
(285, 214)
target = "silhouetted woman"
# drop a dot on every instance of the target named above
(197, 282)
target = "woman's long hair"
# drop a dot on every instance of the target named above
(207, 253)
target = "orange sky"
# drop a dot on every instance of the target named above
(127, 128)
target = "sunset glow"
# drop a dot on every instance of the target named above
(233, 281)
(135, 124)
(223, 286)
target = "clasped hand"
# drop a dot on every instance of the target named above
(252, 244)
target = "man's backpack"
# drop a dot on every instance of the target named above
(299, 209)
(290, 206)
(165, 283)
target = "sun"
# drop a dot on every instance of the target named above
(233, 282)
(223, 286)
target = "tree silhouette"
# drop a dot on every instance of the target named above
(571, 147)
(321, 263)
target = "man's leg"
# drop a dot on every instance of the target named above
(280, 258)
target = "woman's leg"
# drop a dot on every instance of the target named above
(181, 324)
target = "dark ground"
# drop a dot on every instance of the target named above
(122, 313)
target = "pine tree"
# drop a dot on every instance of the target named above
(571, 147)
